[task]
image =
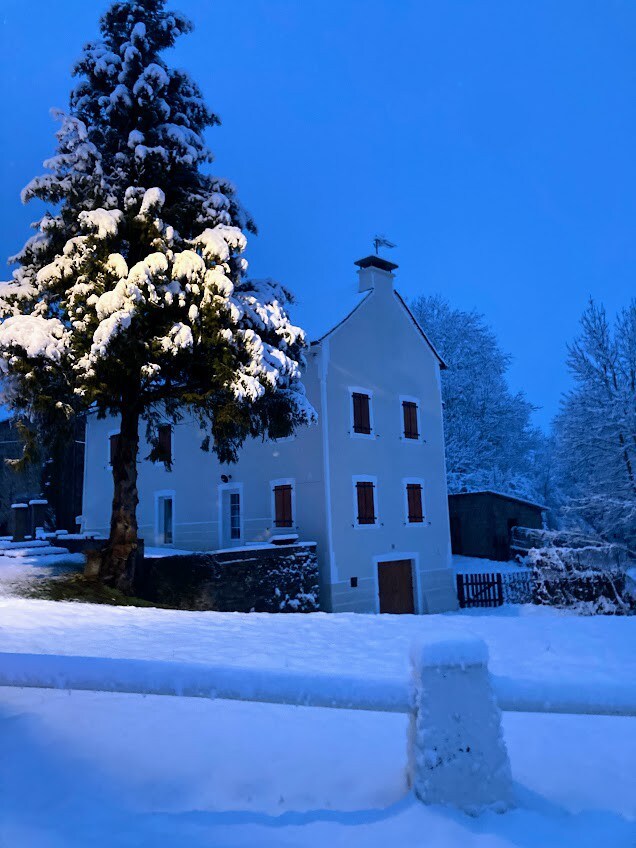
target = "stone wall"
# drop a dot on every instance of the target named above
(268, 578)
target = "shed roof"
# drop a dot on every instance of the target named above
(500, 495)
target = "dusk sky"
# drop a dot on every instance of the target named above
(494, 142)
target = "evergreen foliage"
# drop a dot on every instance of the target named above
(132, 297)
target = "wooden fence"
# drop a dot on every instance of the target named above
(480, 590)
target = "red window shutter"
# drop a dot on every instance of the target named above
(283, 506)
(165, 443)
(414, 503)
(409, 409)
(361, 413)
(366, 504)
(113, 442)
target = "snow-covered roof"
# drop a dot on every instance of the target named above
(442, 364)
(500, 495)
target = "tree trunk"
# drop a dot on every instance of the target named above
(118, 558)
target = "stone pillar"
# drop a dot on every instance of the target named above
(38, 515)
(20, 520)
(457, 753)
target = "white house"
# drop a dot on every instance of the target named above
(367, 482)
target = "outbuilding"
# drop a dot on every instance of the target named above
(481, 522)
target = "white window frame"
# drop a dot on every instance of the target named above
(230, 487)
(418, 415)
(160, 495)
(420, 482)
(365, 478)
(283, 481)
(110, 433)
(415, 574)
(360, 390)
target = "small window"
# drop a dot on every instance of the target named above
(164, 443)
(235, 515)
(366, 502)
(165, 521)
(414, 503)
(113, 445)
(283, 505)
(361, 413)
(409, 410)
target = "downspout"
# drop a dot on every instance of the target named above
(324, 366)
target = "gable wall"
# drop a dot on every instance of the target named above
(379, 348)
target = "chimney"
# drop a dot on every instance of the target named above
(375, 272)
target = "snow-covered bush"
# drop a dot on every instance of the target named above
(593, 580)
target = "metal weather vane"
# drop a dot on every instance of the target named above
(381, 241)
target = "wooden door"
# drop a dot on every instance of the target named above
(395, 581)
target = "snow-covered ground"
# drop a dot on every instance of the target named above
(123, 770)
(478, 565)
(23, 564)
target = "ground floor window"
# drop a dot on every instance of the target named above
(235, 515)
(165, 516)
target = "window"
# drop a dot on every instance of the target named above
(283, 505)
(164, 443)
(361, 413)
(415, 513)
(165, 517)
(366, 502)
(409, 412)
(235, 515)
(113, 444)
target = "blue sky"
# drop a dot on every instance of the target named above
(492, 141)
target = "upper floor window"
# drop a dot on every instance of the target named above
(283, 509)
(361, 413)
(414, 503)
(164, 443)
(365, 502)
(113, 443)
(410, 419)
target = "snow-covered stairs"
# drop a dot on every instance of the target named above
(31, 549)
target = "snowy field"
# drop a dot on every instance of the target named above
(92, 769)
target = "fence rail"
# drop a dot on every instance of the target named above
(298, 688)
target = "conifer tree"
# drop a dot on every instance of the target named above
(132, 298)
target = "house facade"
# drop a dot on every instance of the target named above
(367, 483)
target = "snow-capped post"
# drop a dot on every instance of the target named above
(37, 508)
(457, 754)
(132, 298)
(20, 516)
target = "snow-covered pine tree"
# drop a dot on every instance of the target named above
(596, 428)
(490, 440)
(132, 298)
